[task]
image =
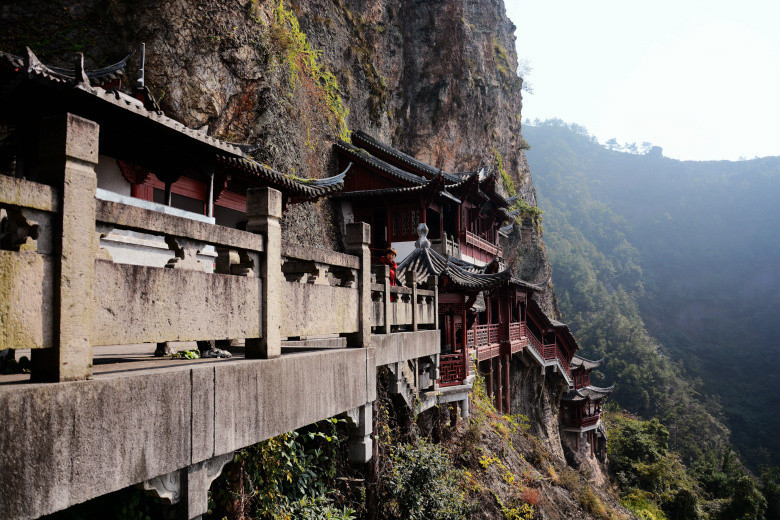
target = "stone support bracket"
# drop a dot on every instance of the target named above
(188, 488)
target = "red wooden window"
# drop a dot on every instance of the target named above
(404, 222)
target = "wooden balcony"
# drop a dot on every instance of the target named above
(582, 422)
(482, 244)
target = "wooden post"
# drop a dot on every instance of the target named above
(358, 240)
(210, 201)
(507, 384)
(499, 385)
(464, 340)
(68, 151)
(168, 193)
(264, 209)
(489, 381)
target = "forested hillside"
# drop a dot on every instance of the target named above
(670, 268)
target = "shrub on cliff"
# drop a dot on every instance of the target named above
(423, 483)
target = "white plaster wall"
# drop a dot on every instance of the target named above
(474, 261)
(110, 178)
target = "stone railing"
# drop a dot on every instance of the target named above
(409, 307)
(63, 293)
(447, 246)
(320, 294)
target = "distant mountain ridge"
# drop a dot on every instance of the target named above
(695, 244)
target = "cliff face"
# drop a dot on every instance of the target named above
(435, 78)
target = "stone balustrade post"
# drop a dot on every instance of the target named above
(68, 154)
(264, 209)
(411, 281)
(384, 276)
(358, 239)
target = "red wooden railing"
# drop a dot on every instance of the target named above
(590, 421)
(534, 342)
(562, 360)
(493, 333)
(483, 335)
(452, 370)
(548, 352)
(515, 331)
(482, 244)
(470, 338)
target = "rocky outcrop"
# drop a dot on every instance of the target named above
(435, 78)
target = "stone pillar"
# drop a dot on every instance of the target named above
(411, 281)
(384, 275)
(68, 153)
(264, 209)
(436, 304)
(360, 444)
(357, 240)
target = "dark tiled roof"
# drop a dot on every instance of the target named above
(34, 71)
(426, 262)
(294, 187)
(434, 185)
(587, 364)
(594, 393)
(488, 185)
(562, 327)
(16, 73)
(97, 77)
(360, 156)
(366, 141)
(477, 269)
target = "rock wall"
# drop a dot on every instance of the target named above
(536, 394)
(435, 78)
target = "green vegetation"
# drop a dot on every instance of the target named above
(608, 238)
(505, 68)
(532, 213)
(656, 485)
(423, 483)
(287, 477)
(292, 48)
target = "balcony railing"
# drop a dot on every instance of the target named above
(398, 306)
(583, 422)
(534, 342)
(515, 331)
(482, 244)
(483, 336)
(452, 369)
(493, 334)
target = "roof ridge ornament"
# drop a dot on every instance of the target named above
(422, 232)
(141, 80)
(31, 61)
(79, 74)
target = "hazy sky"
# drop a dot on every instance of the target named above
(699, 78)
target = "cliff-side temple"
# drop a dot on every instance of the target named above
(126, 235)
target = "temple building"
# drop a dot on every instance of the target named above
(121, 228)
(447, 226)
(581, 407)
(394, 193)
(144, 155)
